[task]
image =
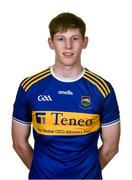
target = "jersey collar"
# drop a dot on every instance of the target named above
(56, 76)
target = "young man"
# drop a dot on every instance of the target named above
(69, 107)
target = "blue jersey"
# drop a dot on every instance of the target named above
(67, 115)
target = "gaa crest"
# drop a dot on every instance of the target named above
(85, 101)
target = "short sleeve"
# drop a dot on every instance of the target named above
(21, 110)
(110, 111)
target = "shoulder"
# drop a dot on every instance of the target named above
(99, 83)
(30, 81)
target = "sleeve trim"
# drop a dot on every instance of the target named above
(110, 123)
(21, 122)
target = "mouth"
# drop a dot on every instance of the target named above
(68, 54)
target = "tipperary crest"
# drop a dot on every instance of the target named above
(85, 101)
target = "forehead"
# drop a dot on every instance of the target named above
(69, 32)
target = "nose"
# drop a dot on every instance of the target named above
(68, 44)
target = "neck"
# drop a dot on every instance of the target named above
(67, 71)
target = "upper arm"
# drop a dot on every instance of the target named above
(110, 120)
(110, 114)
(22, 110)
(21, 124)
(20, 133)
(110, 135)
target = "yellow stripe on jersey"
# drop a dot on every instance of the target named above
(38, 79)
(27, 81)
(65, 123)
(95, 79)
(101, 79)
(93, 82)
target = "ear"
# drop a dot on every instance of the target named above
(85, 42)
(50, 42)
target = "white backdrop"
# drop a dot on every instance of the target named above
(24, 51)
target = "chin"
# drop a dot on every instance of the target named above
(68, 63)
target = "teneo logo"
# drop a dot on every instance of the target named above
(44, 98)
(65, 123)
(68, 92)
(57, 118)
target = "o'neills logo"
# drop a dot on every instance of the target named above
(64, 123)
(68, 92)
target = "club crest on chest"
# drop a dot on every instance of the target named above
(85, 101)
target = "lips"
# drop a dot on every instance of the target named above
(68, 54)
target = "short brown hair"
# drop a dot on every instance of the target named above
(64, 21)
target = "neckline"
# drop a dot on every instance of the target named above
(60, 78)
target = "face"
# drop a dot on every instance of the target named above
(68, 47)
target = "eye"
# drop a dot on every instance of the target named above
(60, 39)
(75, 39)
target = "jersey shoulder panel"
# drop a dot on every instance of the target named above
(29, 81)
(101, 84)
